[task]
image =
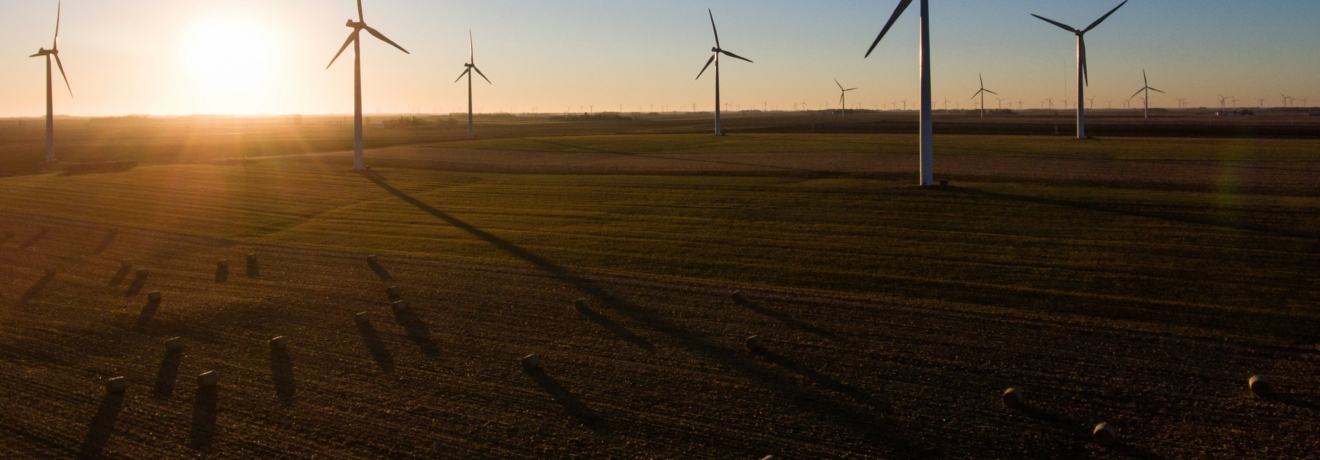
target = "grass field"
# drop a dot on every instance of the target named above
(844, 261)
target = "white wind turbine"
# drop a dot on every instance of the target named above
(982, 94)
(843, 101)
(1147, 89)
(470, 66)
(715, 58)
(1082, 78)
(353, 39)
(927, 148)
(50, 96)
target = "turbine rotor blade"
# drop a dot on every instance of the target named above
(991, 92)
(482, 74)
(712, 27)
(1103, 18)
(1086, 72)
(736, 56)
(472, 50)
(1136, 93)
(1162, 92)
(978, 93)
(55, 44)
(850, 89)
(1147, 81)
(836, 82)
(982, 79)
(461, 75)
(351, 37)
(902, 6)
(1057, 23)
(377, 34)
(703, 69)
(66, 77)
(360, 18)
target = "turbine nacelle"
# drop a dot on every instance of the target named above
(356, 25)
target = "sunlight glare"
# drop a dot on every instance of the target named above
(227, 54)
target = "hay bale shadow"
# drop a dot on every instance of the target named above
(133, 289)
(35, 238)
(281, 373)
(103, 423)
(105, 243)
(377, 347)
(565, 398)
(120, 275)
(615, 328)
(417, 330)
(37, 287)
(168, 373)
(380, 271)
(148, 312)
(203, 418)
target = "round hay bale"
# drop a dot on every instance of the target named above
(52, 271)
(362, 318)
(755, 344)
(531, 362)
(174, 344)
(1260, 387)
(116, 385)
(739, 296)
(580, 305)
(153, 297)
(279, 343)
(208, 379)
(1012, 398)
(142, 273)
(400, 306)
(1105, 435)
(252, 258)
(769, 457)
(372, 260)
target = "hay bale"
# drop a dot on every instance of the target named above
(1012, 398)
(739, 296)
(142, 273)
(531, 362)
(208, 379)
(52, 271)
(580, 305)
(362, 318)
(373, 260)
(279, 343)
(400, 306)
(769, 457)
(153, 297)
(116, 385)
(394, 293)
(1105, 435)
(755, 344)
(1260, 387)
(174, 344)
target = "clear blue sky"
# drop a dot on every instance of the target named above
(142, 56)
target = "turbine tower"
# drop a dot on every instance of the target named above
(715, 58)
(50, 96)
(1083, 79)
(982, 94)
(470, 66)
(353, 39)
(927, 149)
(1147, 89)
(843, 101)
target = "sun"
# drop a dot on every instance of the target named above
(227, 55)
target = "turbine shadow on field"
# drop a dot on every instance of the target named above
(377, 347)
(616, 328)
(168, 373)
(565, 398)
(791, 392)
(37, 287)
(783, 318)
(812, 172)
(103, 423)
(825, 381)
(35, 238)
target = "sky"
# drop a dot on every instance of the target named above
(264, 57)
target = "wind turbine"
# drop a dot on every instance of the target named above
(1285, 100)
(50, 96)
(982, 94)
(470, 66)
(358, 27)
(1083, 79)
(1146, 100)
(843, 101)
(715, 58)
(1051, 101)
(1222, 100)
(927, 149)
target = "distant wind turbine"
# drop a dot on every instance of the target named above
(982, 94)
(1285, 100)
(927, 148)
(1082, 78)
(843, 100)
(715, 58)
(358, 27)
(467, 72)
(50, 97)
(1146, 99)
(1050, 100)
(1222, 101)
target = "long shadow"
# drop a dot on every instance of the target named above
(203, 418)
(105, 243)
(565, 398)
(148, 312)
(1292, 400)
(825, 381)
(36, 288)
(103, 423)
(735, 360)
(168, 373)
(753, 306)
(1096, 207)
(138, 283)
(380, 271)
(8, 235)
(281, 373)
(616, 328)
(120, 275)
(35, 238)
(377, 347)
(418, 331)
(813, 172)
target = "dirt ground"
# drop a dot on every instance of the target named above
(658, 371)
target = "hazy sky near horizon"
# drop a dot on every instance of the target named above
(170, 57)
